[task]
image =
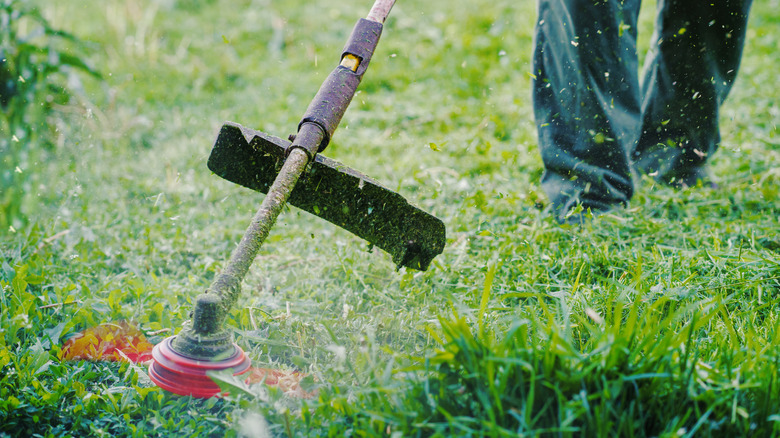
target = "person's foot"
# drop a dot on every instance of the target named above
(576, 199)
(668, 165)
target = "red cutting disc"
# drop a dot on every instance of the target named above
(182, 375)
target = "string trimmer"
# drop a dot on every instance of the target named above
(327, 189)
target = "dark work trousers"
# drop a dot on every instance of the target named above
(595, 121)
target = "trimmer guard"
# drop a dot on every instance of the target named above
(334, 192)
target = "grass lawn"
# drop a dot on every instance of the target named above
(661, 319)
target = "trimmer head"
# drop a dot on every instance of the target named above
(179, 374)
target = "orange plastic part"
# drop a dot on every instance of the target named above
(117, 341)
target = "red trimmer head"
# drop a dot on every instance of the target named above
(179, 374)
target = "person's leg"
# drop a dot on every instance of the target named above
(689, 70)
(586, 100)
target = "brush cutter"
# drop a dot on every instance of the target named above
(328, 189)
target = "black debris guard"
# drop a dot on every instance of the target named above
(334, 192)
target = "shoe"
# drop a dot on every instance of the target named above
(668, 165)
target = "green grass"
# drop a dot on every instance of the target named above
(657, 320)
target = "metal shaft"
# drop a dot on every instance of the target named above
(380, 10)
(227, 284)
(266, 216)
